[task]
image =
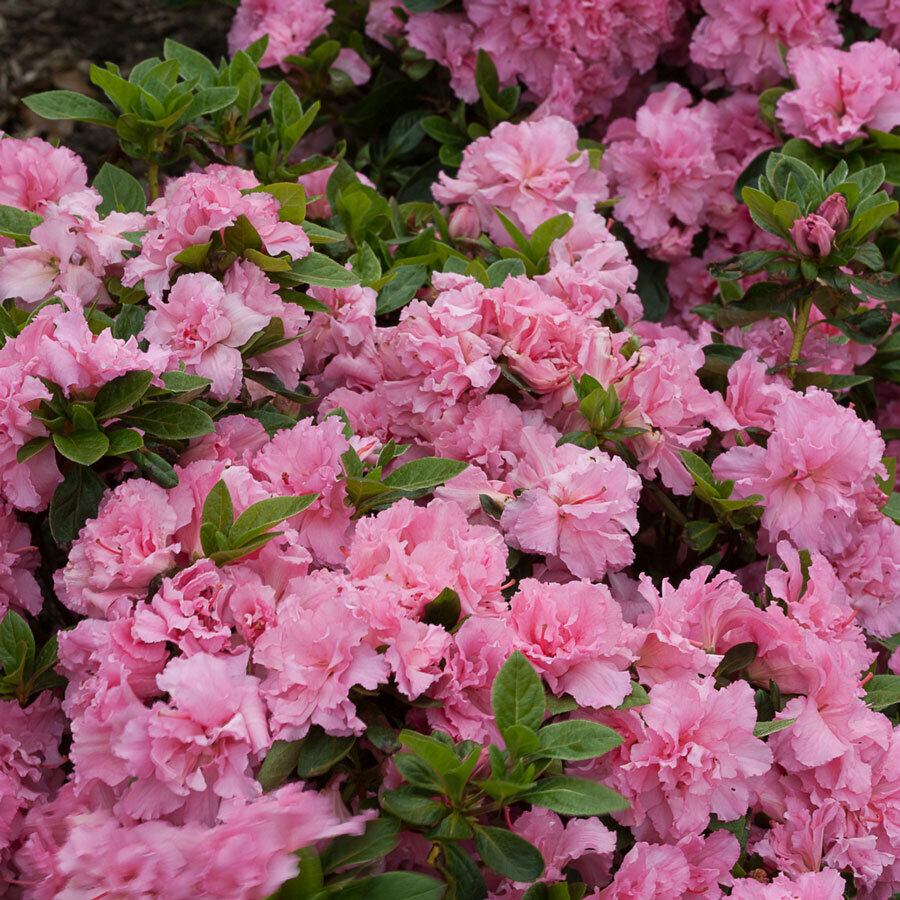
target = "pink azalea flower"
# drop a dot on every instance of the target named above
(816, 472)
(838, 92)
(306, 459)
(34, 173)
(203, 326)
(573, 634)
(291, 26)
(313, 657)
(742, 39)
(527, 171)
(580, 507)
(426, 549)
(695, 755)
(118, 553)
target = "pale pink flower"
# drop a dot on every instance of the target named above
(291, 26)
(838, 92)
(573, 634)
(883, 14)
(34, 173)
(869, 569)
(18, 560)
(118, 553)
(480, 647)
(693, 867)
(426, 549)
(198, 205)
(824, 885)
(203, 326)
(189, 610)
(816, 472)
(662, 163)
(581, 507)
(741, 38)
(696, 755)
(587, 843)
(313, 656)
(531, 172)
(306, 459)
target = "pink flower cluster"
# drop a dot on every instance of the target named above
(574, 58)
(736, 674)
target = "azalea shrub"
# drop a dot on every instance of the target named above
(447, 452)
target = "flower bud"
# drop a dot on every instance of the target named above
(812, 235)
(464, 222)
(834, 211)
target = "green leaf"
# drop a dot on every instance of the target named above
(508, 854)
(259, 518)
(434, 751)
(70, 105)
(762, 729)
(74, 502)
(193, 257)
(464, 879)
(547, 232)
(279, 764)
(892, 508)
(520, 741)
(123, 440)
(499, 271)
(423, 474)
(637, 697)
(84, 447)
(736, 658)
(320, 751)
(575, 797)
(401, 288)
(864, 223)
(184, 382)
(577, 739)
(380, 837)
(883, 691)
(121, 394)
(512, 230)
(701, 534)
(32, 448)
(17, 223)
(121, 191)
(410, 805)
(155, 468)
(291, 200)
(170, 421)
(242, 236)
(318, 269)
(417, 772)
(208, 101)
(218, 510)
(392, 886)
(129, 322)
(444, 610)
(762, 211)
(517, 695)
(191, 64)
(16, 644)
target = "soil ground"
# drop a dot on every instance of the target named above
(47, 44)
